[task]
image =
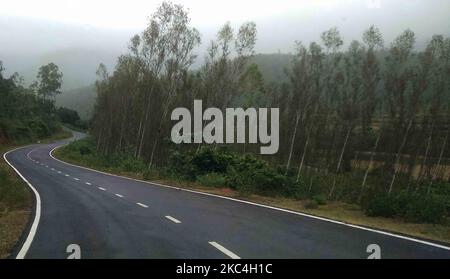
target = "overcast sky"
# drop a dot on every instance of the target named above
(36, 29)
(286, 16)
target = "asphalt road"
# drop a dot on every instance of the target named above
(113, 217)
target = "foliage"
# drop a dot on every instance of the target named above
(71, 119)
(49, 81)
(23, 115)
(360, 124)
(212, 180)
(412, 207)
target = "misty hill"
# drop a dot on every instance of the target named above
(81, 99)
(272, 66)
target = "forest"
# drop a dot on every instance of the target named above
(366, 124)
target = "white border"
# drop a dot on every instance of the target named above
(26, 245)
(261, 205)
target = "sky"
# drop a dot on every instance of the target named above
(32, 32)
(132, 14)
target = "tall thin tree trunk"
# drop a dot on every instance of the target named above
(438, 163)
(99, 139)
(139, 136)
(425, 157)
(372, 154)
(166, 109)
(144, 124)
(397, 160)
(340, 162)
(305, 148)
(288, 164)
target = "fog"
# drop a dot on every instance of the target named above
(78, 35)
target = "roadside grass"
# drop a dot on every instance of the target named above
(16, 198)
(348, 213)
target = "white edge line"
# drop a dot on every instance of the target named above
(224, 250)
(26, 245)
(141, 204)
(173, 219)
(261, 205)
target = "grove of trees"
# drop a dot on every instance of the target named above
(29, 113)
(368, 120)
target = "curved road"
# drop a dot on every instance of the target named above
(113, 217)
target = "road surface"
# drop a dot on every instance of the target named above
(114, 217)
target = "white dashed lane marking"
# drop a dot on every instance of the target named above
(120, 196)
(76, 179)
(173, 219)
(87, 183)
(141, 204)
(224, 250)
(103, 189)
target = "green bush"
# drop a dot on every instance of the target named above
(131, 164)
(426, 210)
(382, 206)
(212, 180)
(413, 207)
(320, 199)
(255, 173)
(208, 160)
(180, 166)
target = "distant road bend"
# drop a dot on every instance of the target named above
(115, 217)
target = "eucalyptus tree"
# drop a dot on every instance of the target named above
(175, 44)
(332, 41)
(306, 86)
(371, 76)
(165, 50)
(49, 81)
(315, 88)
(348, 98)
(399, 74)
(226, 62)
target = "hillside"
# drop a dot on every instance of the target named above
(81, 99)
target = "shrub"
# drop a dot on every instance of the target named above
(131, 164)
(381, 205)
(320, 199)
(413, 207)
(257, 174)
(212, 180)
(180, 166)
(427, 210)
(209, 160)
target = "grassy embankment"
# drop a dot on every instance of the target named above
(83, 153)
(16, 198)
